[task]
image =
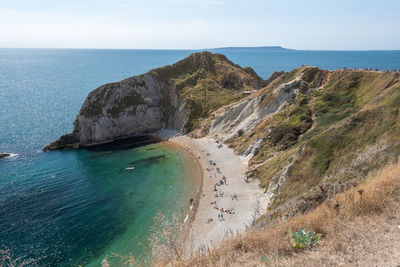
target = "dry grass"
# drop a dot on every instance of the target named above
(356, 222)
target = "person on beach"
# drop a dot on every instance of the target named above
(224, 179)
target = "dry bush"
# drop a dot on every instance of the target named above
(379, 195)
(166, 240)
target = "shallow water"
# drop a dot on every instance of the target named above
(73, 206)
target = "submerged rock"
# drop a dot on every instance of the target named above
(4, 155)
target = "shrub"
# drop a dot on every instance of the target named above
(302, 239)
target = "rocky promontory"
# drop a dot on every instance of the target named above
(175, 97)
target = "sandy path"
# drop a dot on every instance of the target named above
(205, 235)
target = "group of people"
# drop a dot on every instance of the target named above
(221, 215)
(219, 194)
(229, 211)
(235, 197)
(220, 218)
(222, 181)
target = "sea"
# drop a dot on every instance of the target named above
(74, 207)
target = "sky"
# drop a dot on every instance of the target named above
(197, 24)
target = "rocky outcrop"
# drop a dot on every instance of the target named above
(4, 155)
(248, 113)
(173, 97)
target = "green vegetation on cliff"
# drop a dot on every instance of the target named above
(341, 126)
(207, 82)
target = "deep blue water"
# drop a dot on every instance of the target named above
(69, 207)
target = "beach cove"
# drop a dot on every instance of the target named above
(244, 200)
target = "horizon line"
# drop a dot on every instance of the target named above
(279, 48)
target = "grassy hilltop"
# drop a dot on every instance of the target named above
(207, 82)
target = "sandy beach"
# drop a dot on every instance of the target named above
(205, 233)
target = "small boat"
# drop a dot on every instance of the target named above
(129, 168)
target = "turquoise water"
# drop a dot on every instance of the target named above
(66, 207)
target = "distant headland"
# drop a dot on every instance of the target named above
(271, 48)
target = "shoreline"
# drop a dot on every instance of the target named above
(190, 211)
(199, 234)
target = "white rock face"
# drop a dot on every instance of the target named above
(249, 112)
(251, 150)
(134, 106)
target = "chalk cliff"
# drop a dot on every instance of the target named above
(174, 97)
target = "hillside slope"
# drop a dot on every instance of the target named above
(312, 133)
(358, 229)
